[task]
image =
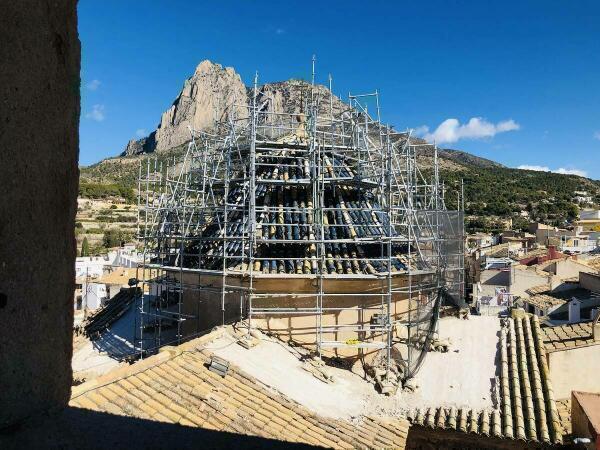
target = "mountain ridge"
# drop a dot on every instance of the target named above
(213, 88)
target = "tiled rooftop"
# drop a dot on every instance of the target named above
(176, 387)
(110, 312)
(536, 290)
(544, 301)
(527, 409)
(543, 297)
(568, 336)
(564, 413)
(536, 252)
(497, 250)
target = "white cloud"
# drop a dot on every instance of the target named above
(450, 130)
(279, 31)
(97, 113)
(562, 170)
(141, 132)
(93, 85)
(597, 135)
(421, 131)
(536, 168)
(581, 173)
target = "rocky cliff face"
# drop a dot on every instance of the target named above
(144, 145)
(210, 94)
(207, 96)
(292, 97)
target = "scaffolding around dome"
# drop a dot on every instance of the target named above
(317, 225)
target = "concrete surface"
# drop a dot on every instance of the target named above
(574, 369)
(39, 119)
(276, 365)
(89, 362)
(465, 376)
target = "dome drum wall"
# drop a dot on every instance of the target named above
(352, 301)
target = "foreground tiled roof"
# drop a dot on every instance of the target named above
(527, 409)
(565, 337)
(176, 386)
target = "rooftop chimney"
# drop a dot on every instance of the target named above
(574, 310)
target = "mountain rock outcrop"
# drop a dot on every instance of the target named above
(207, 96)
(292, 97)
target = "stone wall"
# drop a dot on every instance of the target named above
(589, 281)
(574, 369)
(39, 119)
(356, 307)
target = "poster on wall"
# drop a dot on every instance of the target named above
(503, 297)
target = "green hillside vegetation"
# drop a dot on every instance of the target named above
(124, 171)
(504, 192)
(88, 189)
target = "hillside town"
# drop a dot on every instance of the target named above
(194, 255)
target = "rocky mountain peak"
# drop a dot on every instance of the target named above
(210, 94)
(207, 96)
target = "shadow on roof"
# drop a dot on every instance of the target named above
(77, 428)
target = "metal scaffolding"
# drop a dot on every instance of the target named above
(326, 194)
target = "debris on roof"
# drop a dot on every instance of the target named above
(468, 365)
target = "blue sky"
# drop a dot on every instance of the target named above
(516, 82)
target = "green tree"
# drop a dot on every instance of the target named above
(572, 211)
(85, 247)
(112, 238)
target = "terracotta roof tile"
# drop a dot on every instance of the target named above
(568, 336)
(176, 386)
(544, 301)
